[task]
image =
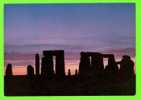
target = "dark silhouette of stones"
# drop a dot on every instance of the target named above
(37, 64)
(111, 69)
(91, 79)
(9, 70)
(30, 71)
(126, 68)
(69, 72)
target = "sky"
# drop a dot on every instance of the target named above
(72, 27)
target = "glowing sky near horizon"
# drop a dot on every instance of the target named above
(32, 28)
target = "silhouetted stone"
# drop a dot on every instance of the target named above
(59, 67)
(84, 66)
(37, 64)
(91, 64)
(30, 71)
(69, 72)
(126, 75)
(126, 68)
(111, 69)
(76, 72)
(60, 70)
(97, 64)
(9, 70)
(47, 66)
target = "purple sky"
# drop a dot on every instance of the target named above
(99, 27)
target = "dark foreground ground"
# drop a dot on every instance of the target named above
(25, 86)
